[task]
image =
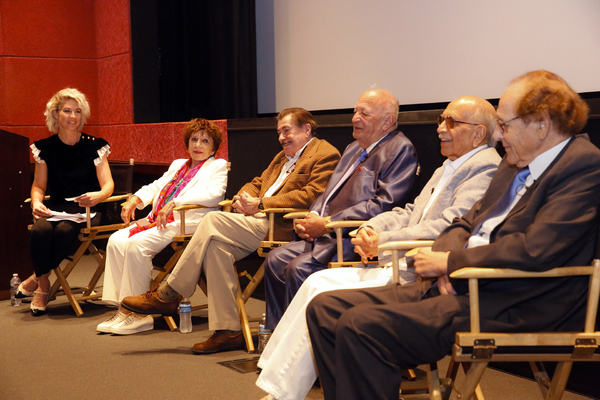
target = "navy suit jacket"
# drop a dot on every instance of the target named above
(385, 179)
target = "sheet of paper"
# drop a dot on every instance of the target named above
(61, 216)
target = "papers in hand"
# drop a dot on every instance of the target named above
(62, 216)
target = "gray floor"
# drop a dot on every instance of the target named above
(60, 356)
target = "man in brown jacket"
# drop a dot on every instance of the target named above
(295, 178)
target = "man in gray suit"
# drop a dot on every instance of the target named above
(465, 130)
(376, 172)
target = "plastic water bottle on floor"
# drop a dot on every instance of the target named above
(14, 285)
(264, 334)
(185, 316)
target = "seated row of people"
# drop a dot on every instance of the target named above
(539, 212)
(360, 338)
(465, 130)
(375, 173)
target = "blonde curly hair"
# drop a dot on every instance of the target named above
(58, 100)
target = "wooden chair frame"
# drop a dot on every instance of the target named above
(337, 227)
(479, 348)
(475, 349)
(180, 242)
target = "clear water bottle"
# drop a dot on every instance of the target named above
(14, 285)
(264, 334)
(185, 316)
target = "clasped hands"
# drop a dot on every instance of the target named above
(428, 264)
(246, 204)
(311, 227)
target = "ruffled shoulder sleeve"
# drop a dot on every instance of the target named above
(41, 147)
(103, 152)
(36, 154)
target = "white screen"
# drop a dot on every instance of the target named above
(322, 54)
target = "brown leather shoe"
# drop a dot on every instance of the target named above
(150, 303)
(220, 341)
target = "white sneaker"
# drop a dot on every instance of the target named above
(119, 317)
(134, 323)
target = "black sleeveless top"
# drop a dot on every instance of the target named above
(71, 169)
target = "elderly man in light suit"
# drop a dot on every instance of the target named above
(465, 130)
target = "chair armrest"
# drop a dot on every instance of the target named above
(405, 245)
(473, 274)
(503, 273)
(182, 210)
(402, 245)
(28, 200)
(285, 211)
(343, 224)
(118, 197)
(186, 207)
(296, 214)
(226, 203)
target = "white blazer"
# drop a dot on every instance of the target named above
(206, 188)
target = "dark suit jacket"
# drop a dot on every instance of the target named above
(307, 181)
(553, 225)
(384, 180)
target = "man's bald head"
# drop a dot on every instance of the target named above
(375, 115)
(467, 123)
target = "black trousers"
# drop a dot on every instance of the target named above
(50, 242)
(363, 338)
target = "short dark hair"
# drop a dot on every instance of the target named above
(300, 117)
(548, 92)
(204, 125)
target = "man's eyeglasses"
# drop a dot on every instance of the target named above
(504, 125)
(450, 121)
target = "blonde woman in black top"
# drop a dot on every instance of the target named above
(68, 164)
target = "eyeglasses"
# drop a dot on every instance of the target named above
(504, 125)
(450, 121)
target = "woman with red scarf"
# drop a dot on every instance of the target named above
(202, 180)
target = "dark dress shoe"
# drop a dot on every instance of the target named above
(220, 341)
(150, 303)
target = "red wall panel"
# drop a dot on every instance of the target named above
(47, 45)
(115, 90)
(30, 82)
(43, 28)
(1, 35)
(113, 34)
(2, 91)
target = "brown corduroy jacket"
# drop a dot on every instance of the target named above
(306, 182)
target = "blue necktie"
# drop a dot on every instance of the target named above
(362, 157)
(509, 196)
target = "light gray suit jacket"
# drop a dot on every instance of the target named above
(467, 185)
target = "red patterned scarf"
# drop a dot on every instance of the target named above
(169, 192)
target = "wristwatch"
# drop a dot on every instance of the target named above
(261, 206)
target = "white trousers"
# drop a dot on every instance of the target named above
(128, 269)
(288, 368)
(220, 239)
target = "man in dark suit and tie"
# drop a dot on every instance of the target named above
(376, 173)
(362, 339)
